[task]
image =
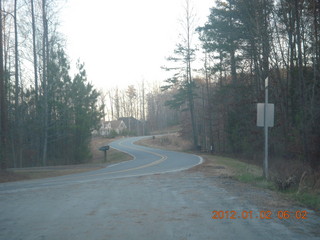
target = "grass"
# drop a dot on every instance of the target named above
(308, 199)
(167, 142)
(252, 174)
(36, 173)
(245, 172)
(114, 156)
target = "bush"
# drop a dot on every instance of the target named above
(113, 133)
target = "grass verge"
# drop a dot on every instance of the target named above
(308, 199)
(252, 174)
(244, 172)
(39, 172)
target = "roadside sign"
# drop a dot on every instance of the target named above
(269, 117)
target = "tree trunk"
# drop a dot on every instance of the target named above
(233, 66)
(143, 109)
(3, 104)
(17, 118)
(189, 74)
(45, 82)
(265, 43)
(291, 76)
(303, 127)
(35, 61)
(16, 64)
(315, 60)
(209, 108)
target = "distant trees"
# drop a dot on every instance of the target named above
(159, 115)
(46, 115)
(147, 104)
(123, 103)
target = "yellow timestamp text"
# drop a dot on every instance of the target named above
(285, 214)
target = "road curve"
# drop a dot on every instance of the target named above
(149, 160)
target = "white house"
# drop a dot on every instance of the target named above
(106, 127)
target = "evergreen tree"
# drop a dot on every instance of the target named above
(85, 115)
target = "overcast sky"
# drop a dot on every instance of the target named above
(125, 41)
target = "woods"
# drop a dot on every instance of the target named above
(46, 115)
(275, 39)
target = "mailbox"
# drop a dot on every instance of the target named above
(104, 148)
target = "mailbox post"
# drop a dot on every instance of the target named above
(104, 149)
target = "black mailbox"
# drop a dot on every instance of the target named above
(104, 148)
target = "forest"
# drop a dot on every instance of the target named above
(47, 116)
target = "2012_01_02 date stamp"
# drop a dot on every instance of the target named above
(244, 214)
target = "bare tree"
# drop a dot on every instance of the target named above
(35, 58)
(117, 103)
(3, 103)
(183, 79)
(143, 110)
(45, 51)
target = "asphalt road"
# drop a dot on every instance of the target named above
(149, 197)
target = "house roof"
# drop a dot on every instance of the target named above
(126, 119)
(116, 123)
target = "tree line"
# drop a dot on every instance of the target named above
(46, 115)
(141, 101)
(243, 42)
(127, 102)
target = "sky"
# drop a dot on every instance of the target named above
(123, 42)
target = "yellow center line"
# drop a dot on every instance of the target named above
(162, 158)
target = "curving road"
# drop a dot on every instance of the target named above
(131, 200)
(149, 160)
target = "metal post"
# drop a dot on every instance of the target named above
(265, 162)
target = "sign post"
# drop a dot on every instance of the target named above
(265, 162)
(265, 119)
